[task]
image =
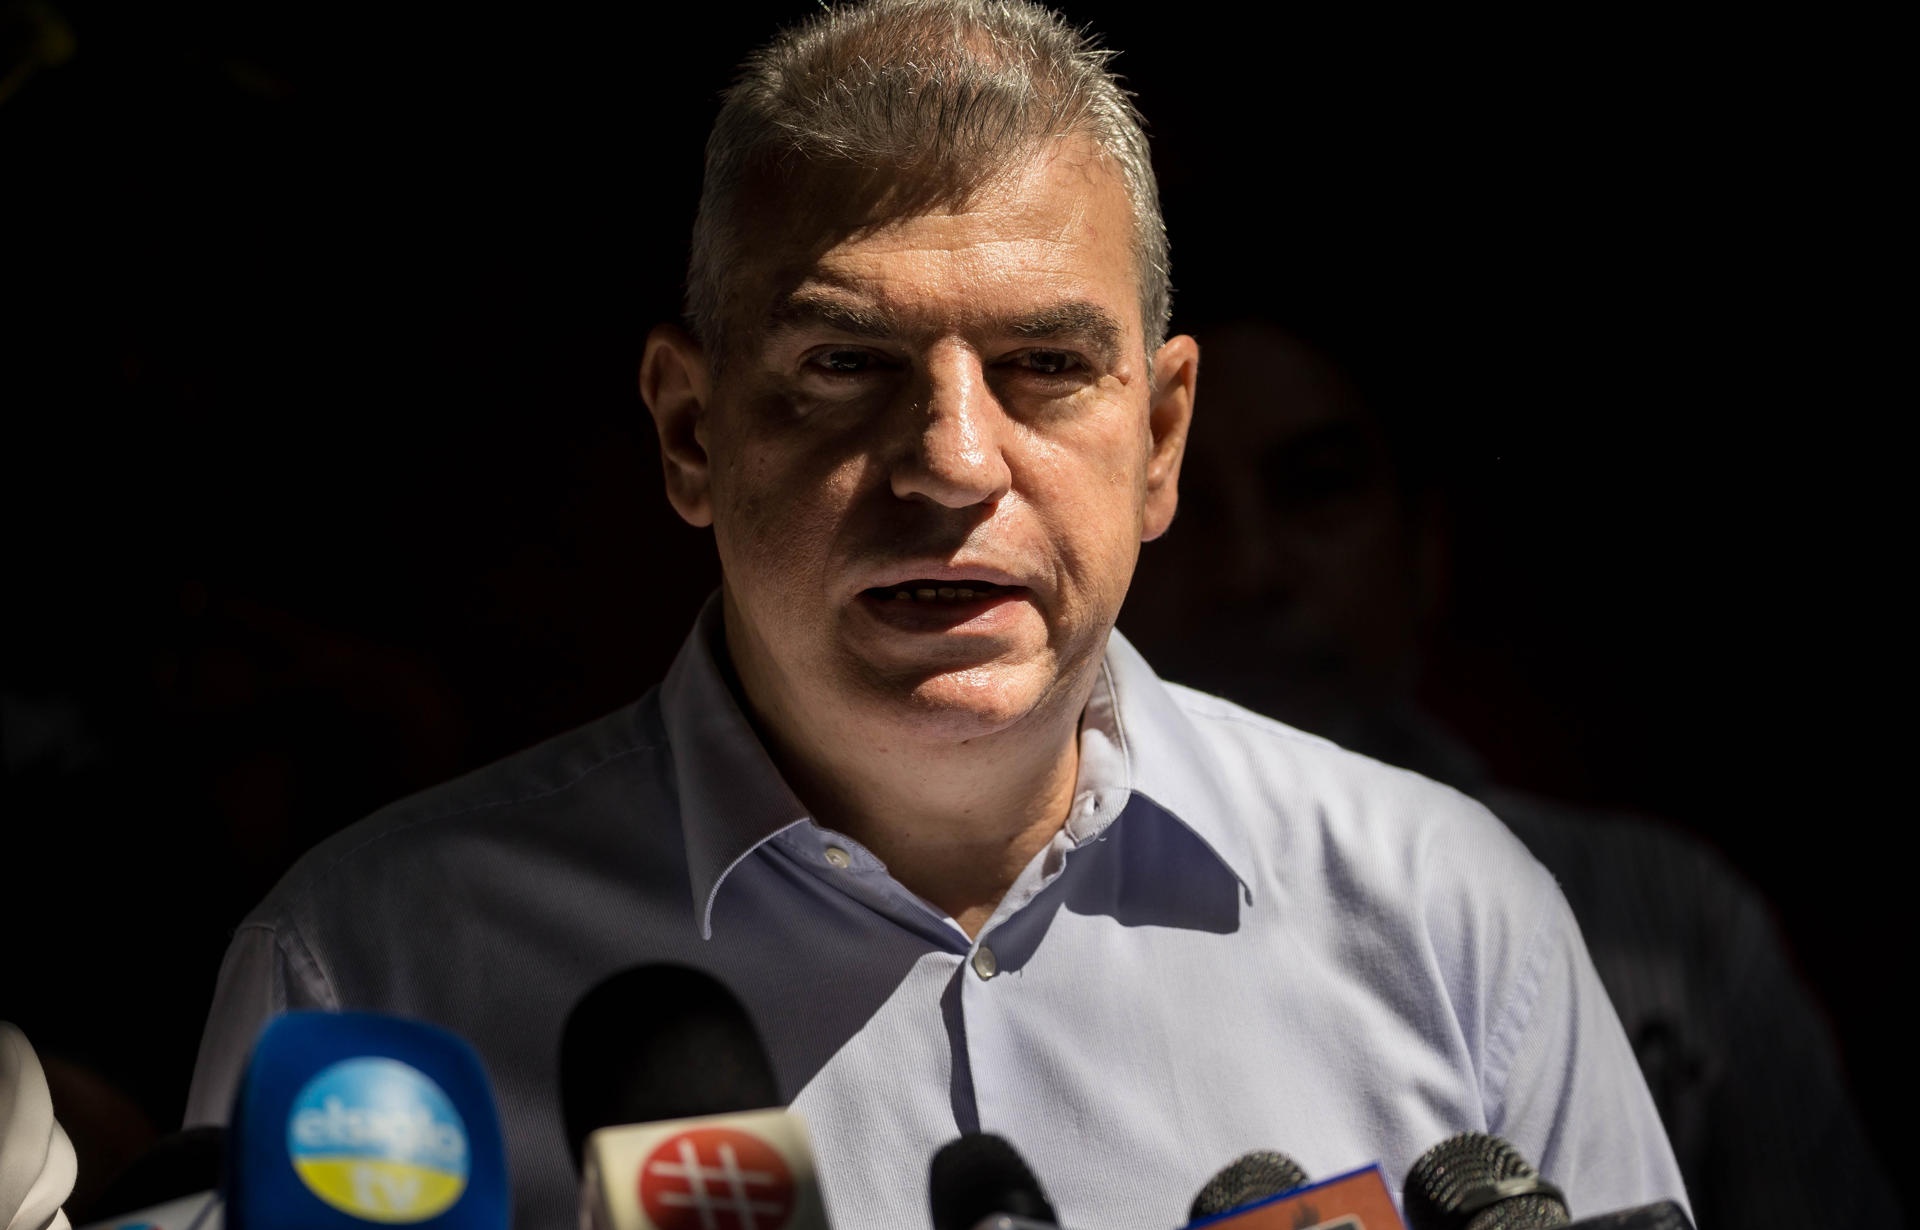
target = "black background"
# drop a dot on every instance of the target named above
(326, 478)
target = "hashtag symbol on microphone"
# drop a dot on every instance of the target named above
(716, 1179)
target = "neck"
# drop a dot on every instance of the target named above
(954, 818)
(955, 824)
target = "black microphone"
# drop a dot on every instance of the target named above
(673, 1112)
(1251, 1178)
(1474, 1181)
(659, 1042)
(980, 1176)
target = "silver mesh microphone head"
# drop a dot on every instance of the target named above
(1254, 1177)
(1474, 1181)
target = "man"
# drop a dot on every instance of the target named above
(965, 859)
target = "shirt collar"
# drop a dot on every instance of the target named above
(1163, 755)
(732, 798)
(1134, 738)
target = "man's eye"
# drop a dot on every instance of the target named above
(1048, 362)
(843, 362)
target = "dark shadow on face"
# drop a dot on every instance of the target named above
(792, 214)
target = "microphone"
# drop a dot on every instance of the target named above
(1474, 1181)
(1264, 1195)
(174, 1184)
(348, 1119)
(1246, 1180)
(659, 1042)
(664, 1090)
(198, 1212)
(979, 1179)
(1661, 1215)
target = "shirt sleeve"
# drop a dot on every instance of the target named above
(266, 971)
(1565, 1086)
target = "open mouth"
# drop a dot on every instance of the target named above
(937, 592)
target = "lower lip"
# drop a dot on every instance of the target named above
(956, 615)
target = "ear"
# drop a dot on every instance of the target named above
(1176, 369)
(677, 385)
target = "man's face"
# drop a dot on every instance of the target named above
(931, 462)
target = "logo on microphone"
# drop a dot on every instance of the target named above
(378, 1140)
(716, 1178)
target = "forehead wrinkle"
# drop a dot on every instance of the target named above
(958, 270)
(957, 279)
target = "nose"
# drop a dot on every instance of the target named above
(954, 456)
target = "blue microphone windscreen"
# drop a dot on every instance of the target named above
(349, 1119)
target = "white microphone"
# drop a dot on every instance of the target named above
(748, 1169)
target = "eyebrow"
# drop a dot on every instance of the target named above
(1087, 323)
(806, 310)
(1076, 320)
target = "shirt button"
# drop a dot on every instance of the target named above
(983, 962)
(839, 857)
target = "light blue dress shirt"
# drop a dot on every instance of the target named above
(1243, 938)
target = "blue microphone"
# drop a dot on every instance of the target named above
(345, 1120)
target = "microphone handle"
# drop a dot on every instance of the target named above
(201, 1211)
(1665, 1215)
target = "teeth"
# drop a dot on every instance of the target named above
(942, 593)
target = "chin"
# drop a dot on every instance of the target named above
(970, 703)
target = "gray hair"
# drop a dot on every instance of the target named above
(933, 97)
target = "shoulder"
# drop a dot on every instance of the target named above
(1389, 871)
(1410, 894)
(1295, 788)
(546, 797)
(419, 908)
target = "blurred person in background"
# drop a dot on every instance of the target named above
(1309, 567)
